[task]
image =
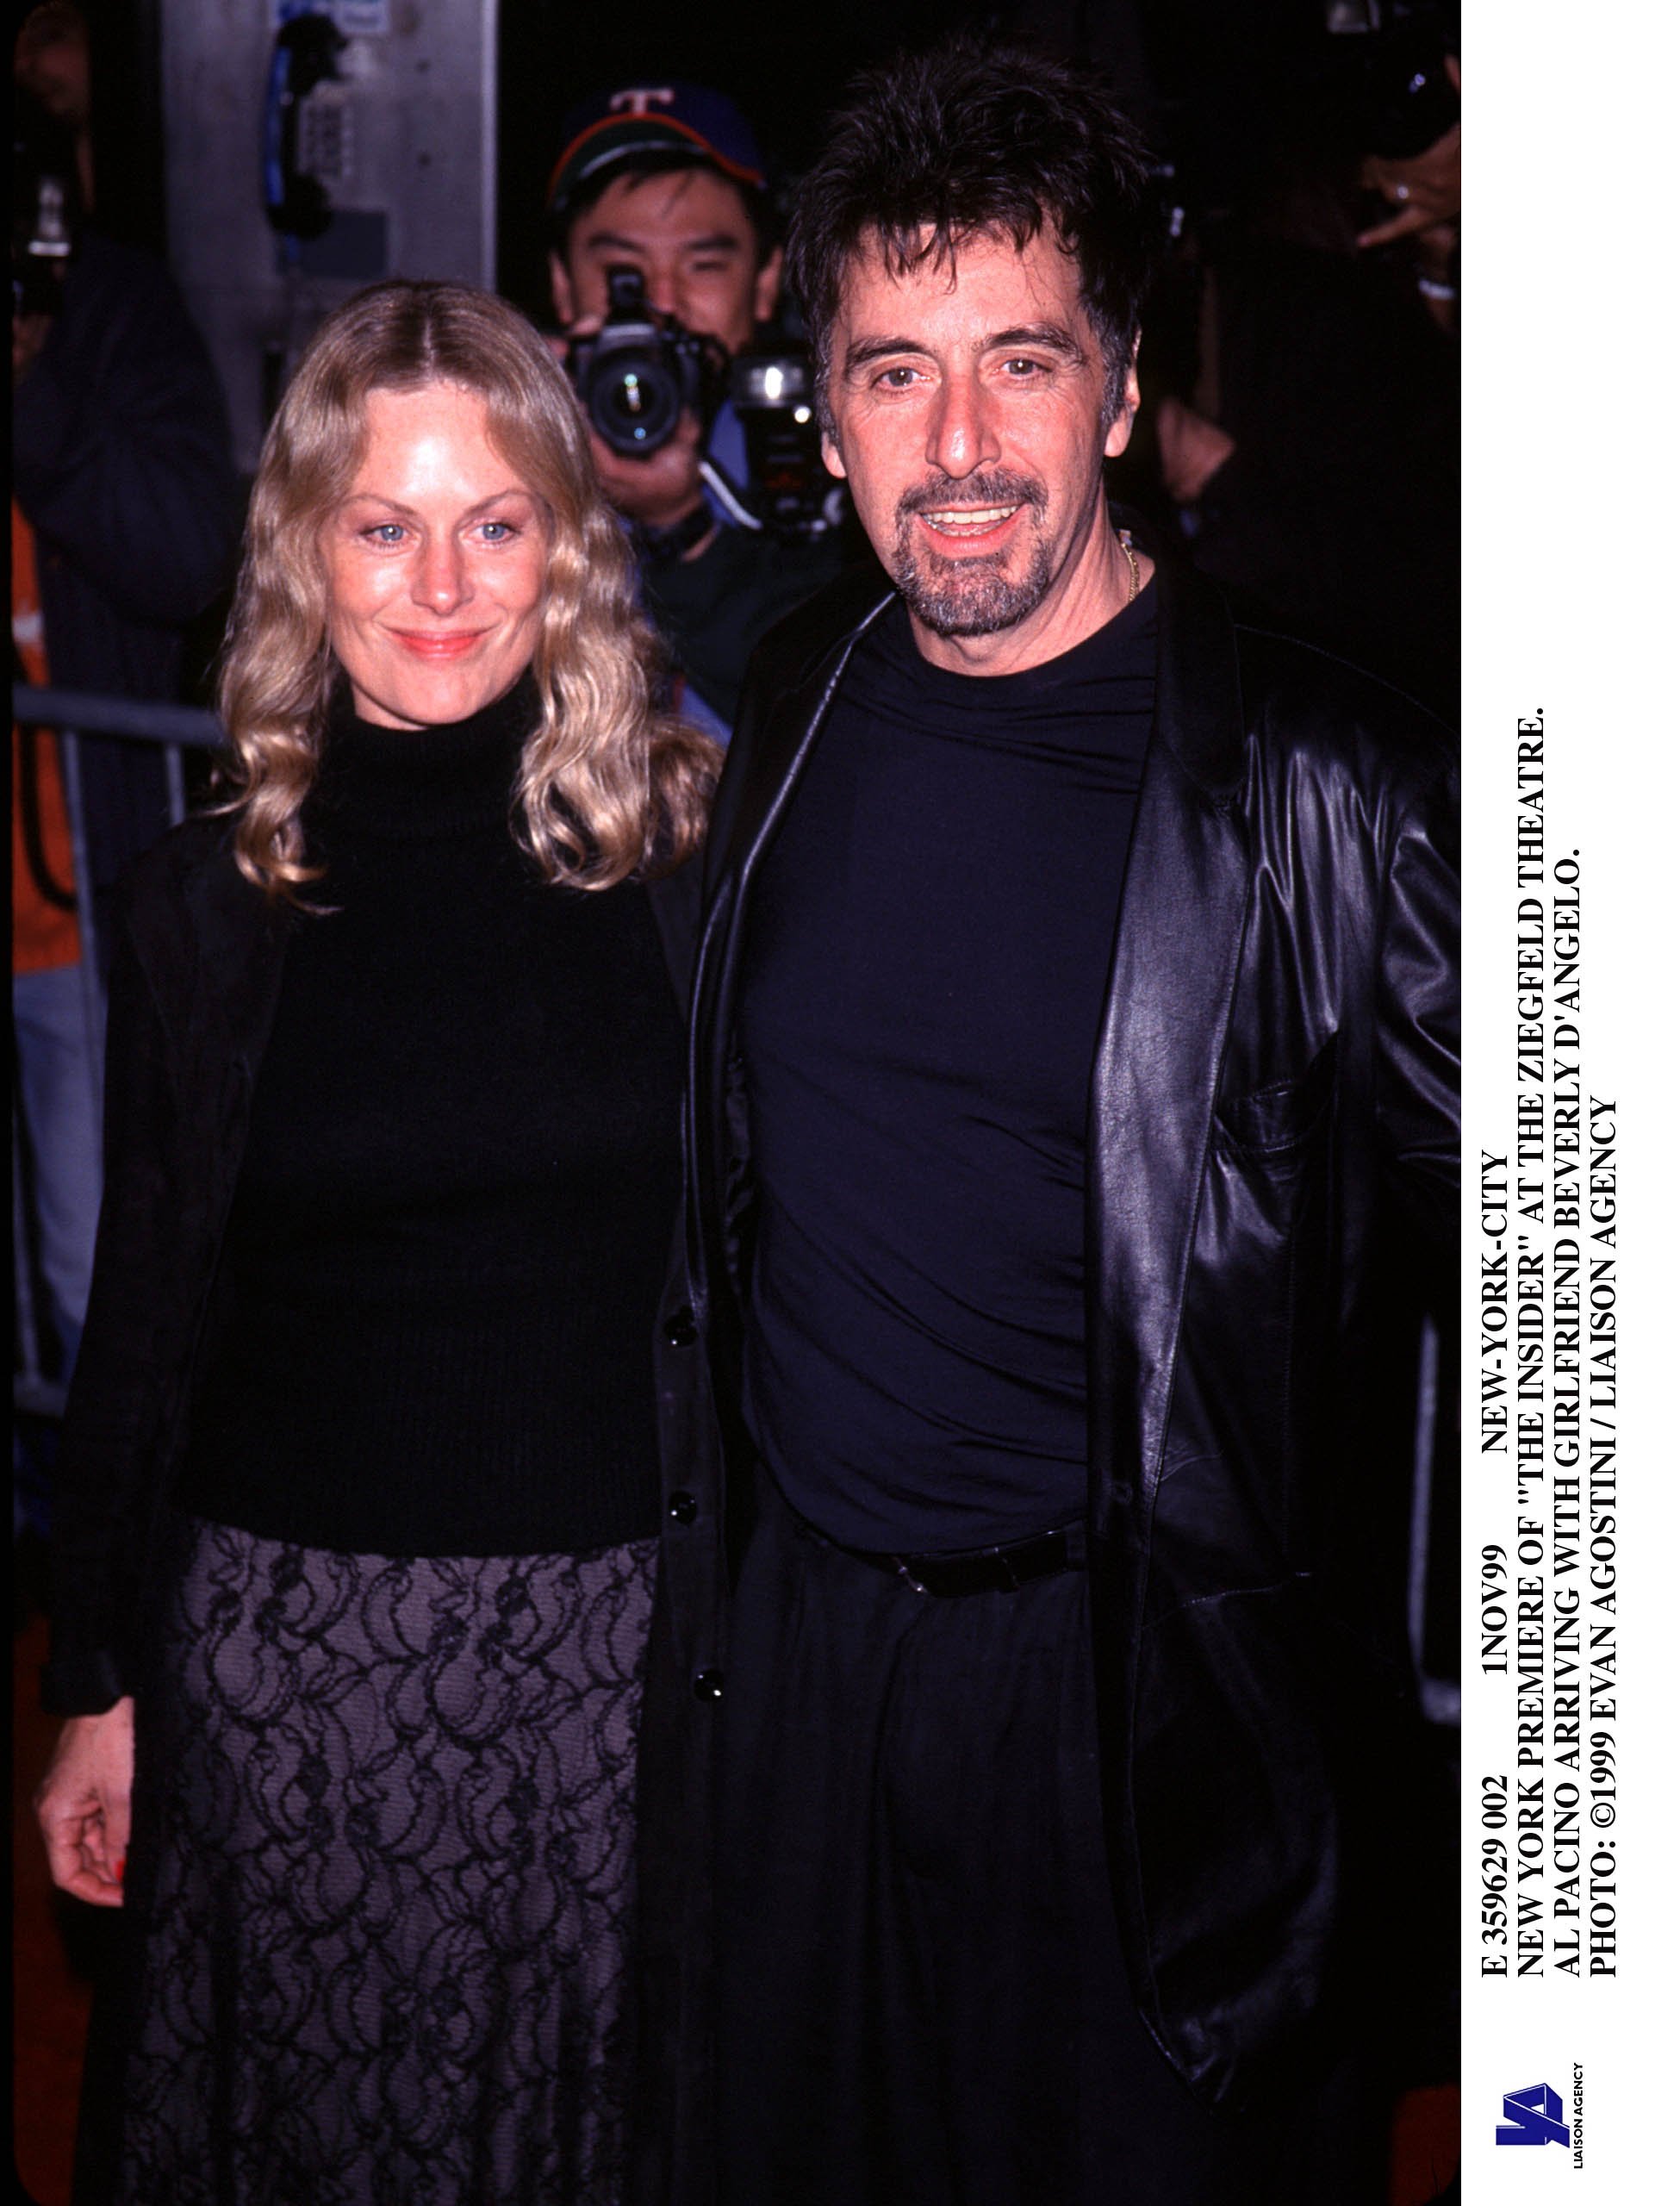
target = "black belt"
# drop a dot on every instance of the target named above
(986, 1570)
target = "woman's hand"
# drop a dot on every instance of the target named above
(82, 1805)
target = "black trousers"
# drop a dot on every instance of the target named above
(922, 1997)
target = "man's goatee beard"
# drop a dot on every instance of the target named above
(969, 597)
(972, 596)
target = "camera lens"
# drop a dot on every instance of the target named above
(635, 403)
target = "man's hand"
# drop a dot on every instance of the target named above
(1425, 188)
(663, 488)
(82, 1805)
(658, 491)
(1192, 449)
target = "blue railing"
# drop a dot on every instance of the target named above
(75, 714)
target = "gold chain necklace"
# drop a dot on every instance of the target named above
(1136, 572)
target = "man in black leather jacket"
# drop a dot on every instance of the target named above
(1074, 1061)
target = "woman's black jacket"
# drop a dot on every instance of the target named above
(195, 976)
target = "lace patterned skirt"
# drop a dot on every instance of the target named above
(379, 1892)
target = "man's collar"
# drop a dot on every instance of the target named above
(1199, 704)
(1198, 698)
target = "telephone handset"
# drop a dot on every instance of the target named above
(306, 53)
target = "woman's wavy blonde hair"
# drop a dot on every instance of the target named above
(608, 784)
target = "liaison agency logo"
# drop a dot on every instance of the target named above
(1534, 2115)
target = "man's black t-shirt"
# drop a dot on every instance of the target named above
(927, 954)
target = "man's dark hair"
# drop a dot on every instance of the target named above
(760, 209)
(936, 148)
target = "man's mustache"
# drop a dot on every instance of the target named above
(947, 496)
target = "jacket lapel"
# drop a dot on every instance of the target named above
(767, 758)
(762, 771)
(1157, 1066)
(241, 939)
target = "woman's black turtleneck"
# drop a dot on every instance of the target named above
(434, 1329)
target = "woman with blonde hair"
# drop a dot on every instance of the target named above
(355, 1524)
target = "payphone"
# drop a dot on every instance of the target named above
(314, 145)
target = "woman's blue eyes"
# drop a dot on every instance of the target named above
(393, 532)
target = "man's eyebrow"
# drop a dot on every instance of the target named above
(868, 349)
(1047, 336)
(709, 241)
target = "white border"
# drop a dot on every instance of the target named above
(1569, 597)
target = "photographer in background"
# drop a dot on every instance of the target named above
(124, 523)
(667, 181)
(121, 470)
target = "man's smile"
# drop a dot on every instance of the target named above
(967, 520)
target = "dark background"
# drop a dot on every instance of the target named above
(1201, 77)
(784, 63)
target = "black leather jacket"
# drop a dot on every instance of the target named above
(1272, 1111)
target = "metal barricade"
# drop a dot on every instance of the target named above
(75, 714)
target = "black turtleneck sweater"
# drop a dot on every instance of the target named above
(432, 1331)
